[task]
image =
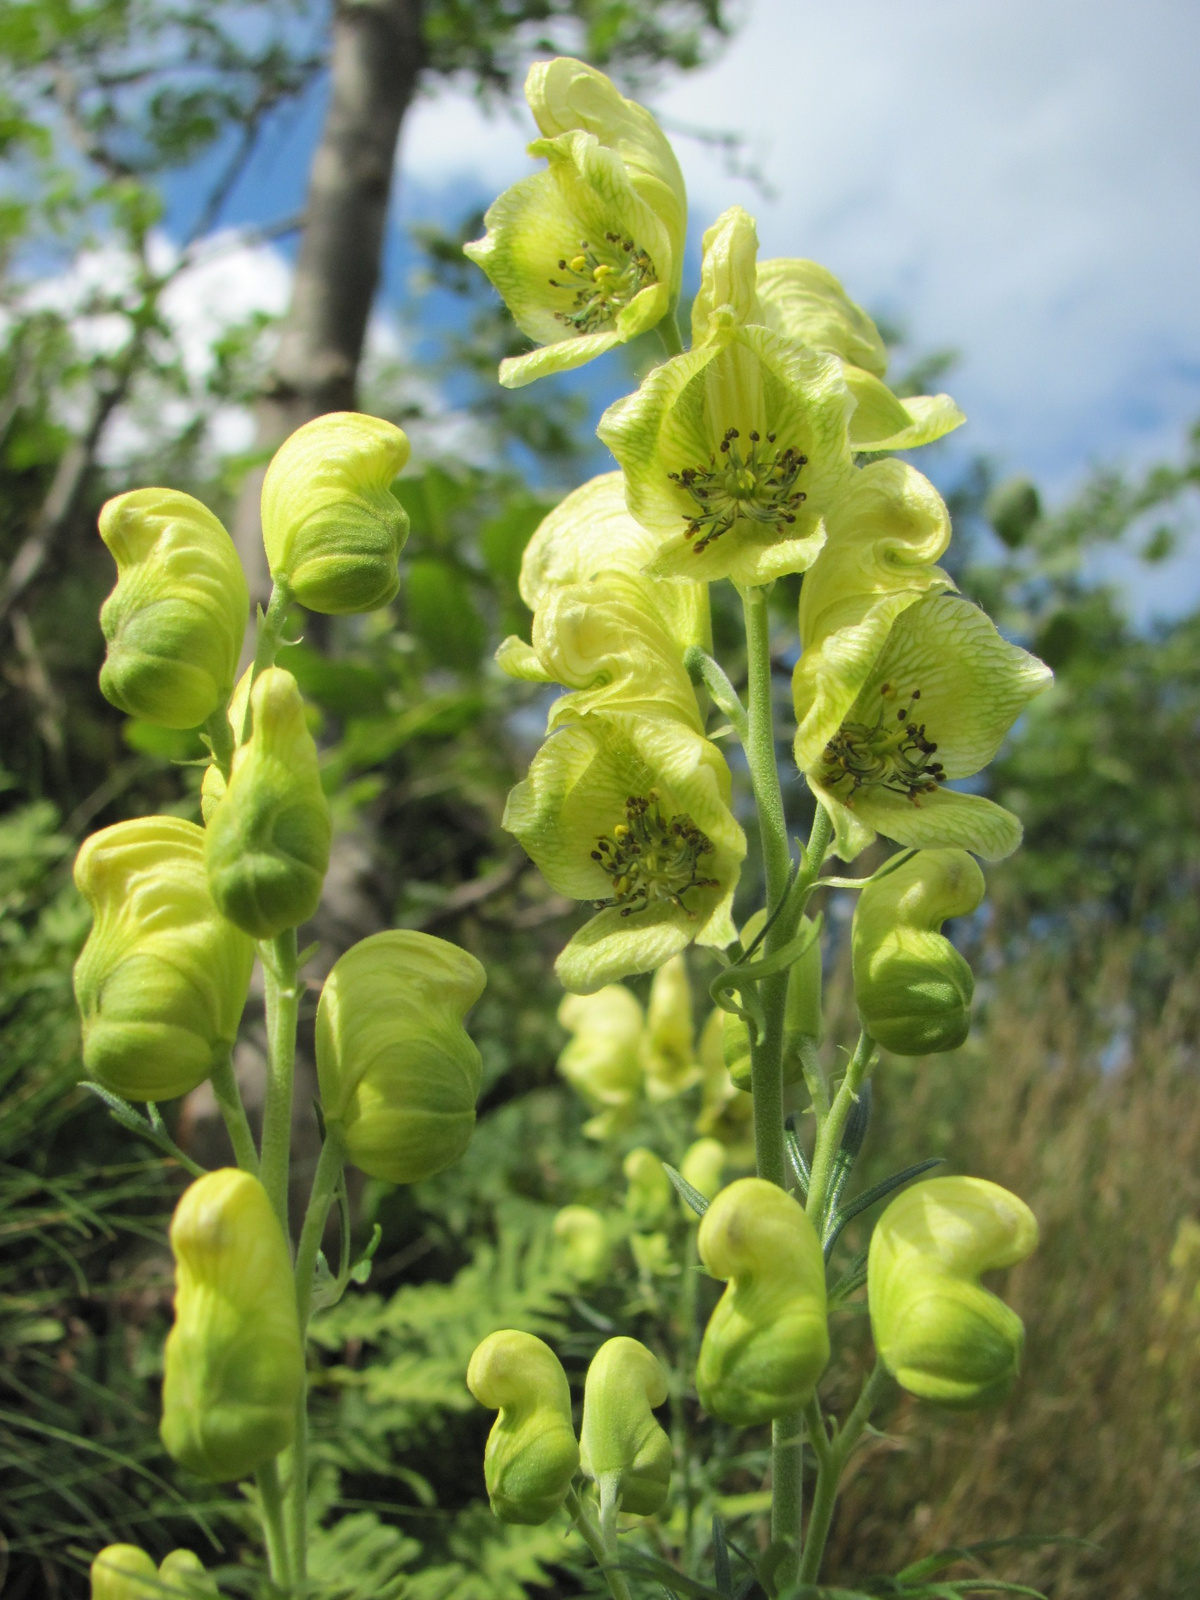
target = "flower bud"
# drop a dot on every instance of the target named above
(767, 1342)
(668, 1043)
(234, 1362)
(182, 1572)
(912, 987)
(531, 1453)
(123, 1572)
(702, 1166)
(725, 1112)
(937, 1330)
(176, 619)
(163, 978)
(602, 1062)
(332, 528)
(268, 841)
(396, 1066)
(648, 1197)
(583, 1242)
(623, 1448)
(652, 1256)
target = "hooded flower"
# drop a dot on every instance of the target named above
(633, 814)
(803, 301)
(936, 705)
(733, 452)
(602, 1060)
(589, 253)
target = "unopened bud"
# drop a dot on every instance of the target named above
(583, 1242)
(937, 1330)
(702, 1166)
(268, 841)
(602, 1062)
(234, 1362)
(531, 1454)
(123, 1572)
(163, 978)
(396, 1066)
(668, 1046)
(332, 528)
(623, 1448)
(181, 1572)
(176, 619)
(912, 986)
(648, 1197)
(767, 1342)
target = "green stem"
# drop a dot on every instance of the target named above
(787, 1493)
(594, 1540)
(668, 332)
(829, 1473)
(220, 737)
(829, 1136)
(266, 645)
(283, 1004)
(815, 1080)
(229, 1101)
(703, 669)
(270, 1499)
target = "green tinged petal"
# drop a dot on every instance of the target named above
(531, 1453)
(602, 1061)
(233, 1363)
(632, 813)
(622, 1447)
(885, 536)
(937, 1330)
(726, 297)
(175, 621)
(163, 978)
(332, 528)
(732, 454)
(803, 301)
(396, 1066)
(882, 421)
(268, 839)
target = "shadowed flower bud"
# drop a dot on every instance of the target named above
(396, 1066)
(702, 1166)
(725, 1112)
(767, 1342)
(583, 1242)
(268, 841)
(623, 1449)
(182, 1572)
(234, 1362)
(332, 528)
(912, 987)
(531, 1453)
(602, 1062)
(175, 621)
(937, 1330)
(648, 1197)
(163, 978)
(668, 1044)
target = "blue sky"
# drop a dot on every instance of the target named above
(1013, 179)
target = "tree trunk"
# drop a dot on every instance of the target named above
(376, 56)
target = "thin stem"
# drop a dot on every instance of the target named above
(594, 1540)
(270, 634)
(270, 1499)
(830, 1472)
(829, 1136)
(283, 1004)
(787, 1493)
(220, 737)
(229, 1101)
(668, 332)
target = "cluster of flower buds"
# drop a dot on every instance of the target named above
(125, 1572)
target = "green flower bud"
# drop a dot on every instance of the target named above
(175, 621)
(937, 1330)
(623, 1449)
(702, 1166)
(182, 1572)
(268, 841)
(725, 1112)
(912, 986)
(123, 1572)
(652, 1255)
(396, 1066)
(602, 1062)
(163, 978)
(234, 1362)
(668, 1044)
(648, 1197)
(735, 1035)
(767, 1342)
(332, 528)
(802, 1015)
(531, 1453)
(583, 1242)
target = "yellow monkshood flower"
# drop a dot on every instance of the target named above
(623, 1449)
(589, 253)
(803, 301)
(668, 1044)
(885, 537)
(943, 693)
(175, 621)
(162, 980)
(233, 1363)
(332, 527)
(937, 1330)
(396, 1066)
(633, 814)
(602, 1062)
(532, 1453)
(733, 452)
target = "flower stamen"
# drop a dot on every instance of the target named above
(892, 753)
(758, 486)
(651, 857)
(602, 287)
